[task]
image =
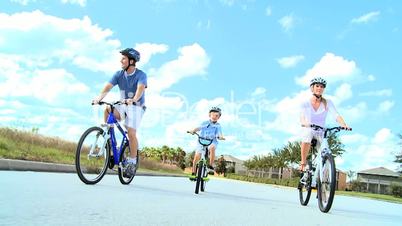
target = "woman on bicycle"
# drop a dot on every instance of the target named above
(209, 129)
(314, 111)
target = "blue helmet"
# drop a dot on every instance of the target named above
(131, 54)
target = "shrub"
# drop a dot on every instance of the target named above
(396, 190)
(356, 185)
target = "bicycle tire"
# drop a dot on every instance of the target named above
(305, 189)
(91, 172)
(122, 165)
(199, 174)
(203, 182)
(325, 197)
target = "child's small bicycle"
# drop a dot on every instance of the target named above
(201, 170)
(320, 172)
(93, 156)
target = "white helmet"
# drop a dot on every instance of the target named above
(318, 80)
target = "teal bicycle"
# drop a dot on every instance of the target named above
(201, 169)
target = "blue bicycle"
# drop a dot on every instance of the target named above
(93, 156)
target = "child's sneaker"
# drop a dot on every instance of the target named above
(192, 177)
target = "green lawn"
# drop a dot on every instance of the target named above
(389, 198)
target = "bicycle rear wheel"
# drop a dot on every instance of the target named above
(124, 179)
(305, 188)
(326, 183)
(199, 173)
(92, 156)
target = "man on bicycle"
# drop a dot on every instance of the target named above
(314, 111)
(210, 129)
(132, 83)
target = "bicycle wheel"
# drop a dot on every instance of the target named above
(305, 188)
(92, 156)
(203, 181)
(199, 173)
(124, 179)
(326, 183)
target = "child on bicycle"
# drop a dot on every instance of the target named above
(314, 111)
(210, 129)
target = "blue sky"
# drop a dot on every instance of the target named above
(252, 58)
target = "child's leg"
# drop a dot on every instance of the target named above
(211, 149)
(197, 157)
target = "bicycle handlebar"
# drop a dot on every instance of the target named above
(337, 128)
(110, 104)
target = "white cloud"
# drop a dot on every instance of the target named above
(147, 50)
(378, 93)
(364, 152)
(82, 3)
(366, 18)
(287, 22)
(371, 78)
(268, 11)
(192, 61)
(342, 93)
(259, 91)
(58, 40)
(385, 106)
(51, 86)
(332, 68)
(288, 62)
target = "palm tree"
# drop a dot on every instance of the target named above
(351, 174)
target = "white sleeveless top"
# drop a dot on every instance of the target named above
(310, 116)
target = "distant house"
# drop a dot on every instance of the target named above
(378, 180)
(235, 162)
(340, 180)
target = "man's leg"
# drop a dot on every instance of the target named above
(107, 111)
(132, 136)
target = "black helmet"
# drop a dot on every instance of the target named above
(131, 54)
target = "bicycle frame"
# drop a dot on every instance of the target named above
(111, 122)
(317, 161)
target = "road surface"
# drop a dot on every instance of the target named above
(34, 198)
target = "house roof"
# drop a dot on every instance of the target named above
(379, 171)
(230, 158)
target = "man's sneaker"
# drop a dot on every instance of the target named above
(192, 177)
(130, 170)
(211, 170)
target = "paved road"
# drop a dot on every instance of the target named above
(34, 198)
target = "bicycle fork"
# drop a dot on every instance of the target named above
(94, 147)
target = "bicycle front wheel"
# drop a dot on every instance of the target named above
(203, 179)
(92, 156)
(125, 179)
(199, 173)
(326, 183)
(305, 187)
